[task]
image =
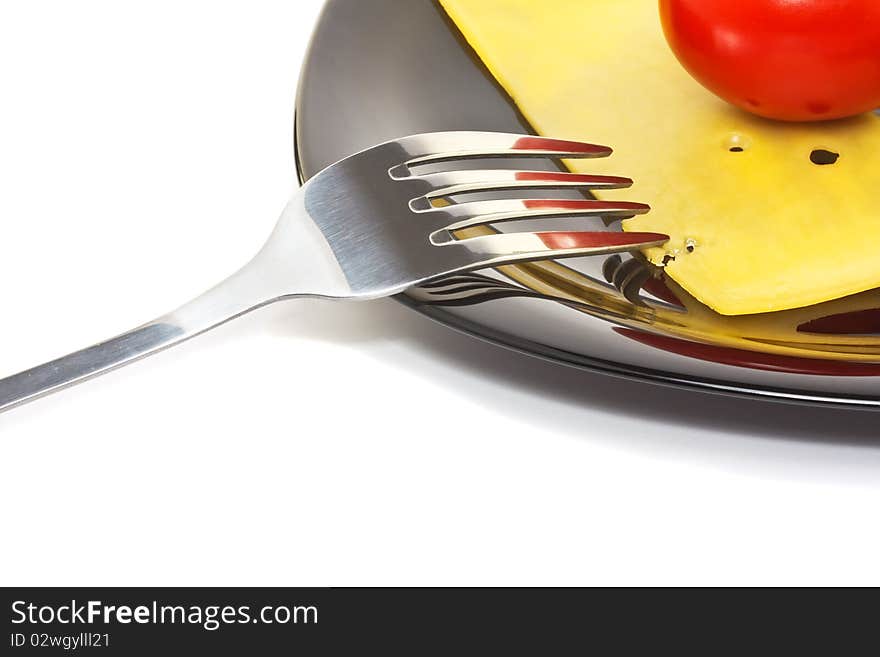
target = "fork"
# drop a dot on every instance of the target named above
(370, 226)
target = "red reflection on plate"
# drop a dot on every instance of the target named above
(659, 289)
(859, 322)
(751, 359)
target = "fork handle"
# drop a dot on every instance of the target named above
(241, 293)
(296, 261)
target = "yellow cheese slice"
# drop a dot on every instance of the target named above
(758, 229)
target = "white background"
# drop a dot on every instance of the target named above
(145, 152)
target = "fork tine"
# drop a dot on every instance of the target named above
(443, 146)
(488, 212)
(447, 183)
(506, 248)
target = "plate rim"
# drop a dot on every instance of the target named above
(690, 382)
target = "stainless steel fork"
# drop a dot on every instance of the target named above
(368, 227)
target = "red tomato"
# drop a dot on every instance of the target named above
(798, 60)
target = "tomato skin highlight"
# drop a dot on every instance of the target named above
(795, 60)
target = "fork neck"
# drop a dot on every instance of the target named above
(296, 261)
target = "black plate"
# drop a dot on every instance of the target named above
(379, 69)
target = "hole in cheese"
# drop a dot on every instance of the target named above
(824, 157)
